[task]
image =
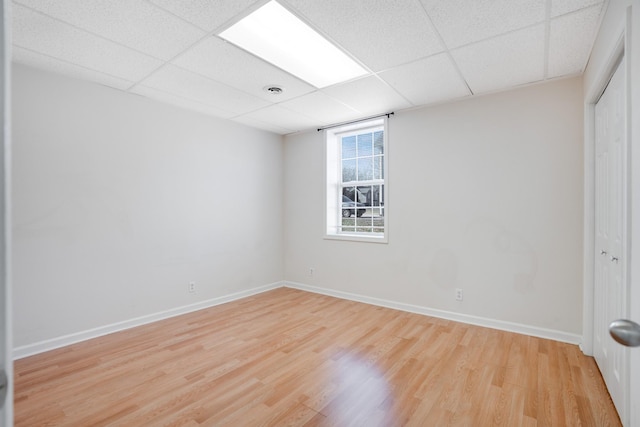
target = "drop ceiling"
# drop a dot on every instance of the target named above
(416, 52)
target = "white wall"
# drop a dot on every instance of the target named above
(119, 202)
(485, 194)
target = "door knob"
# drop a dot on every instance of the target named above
(626, 332)
(614, 259)
(603, 252)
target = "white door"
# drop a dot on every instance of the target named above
(610, 291)
(6, 361)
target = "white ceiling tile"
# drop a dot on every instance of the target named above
(222, 61)
(380, 33)
(37, 60)
(427, 81)
(281, 117)
(496, 44)
(321, 107)
(569, 47)
(461, 22)
(369, 95)
(505, 61)
(42, 34)
(133, 23)
(261, 125)
(186, 84)
(181, 102)
(206, 14)
(560, 7)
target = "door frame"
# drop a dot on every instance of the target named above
(621, 49)
(6, 338)
(591, 99)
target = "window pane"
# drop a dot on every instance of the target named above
(348, 224)
(352, 206)
(348, 213)
(377, 203)
(365, 169)
(349, 193)
(375, 190)
(378, 142)
(348, 147)
(378, 167)
(365, 194)
(365, 145)
(348, 170)
(364, 222)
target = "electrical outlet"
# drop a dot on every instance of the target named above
(191, 287)
(311, 271)
(458, 294)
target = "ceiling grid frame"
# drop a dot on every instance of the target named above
(416, 75)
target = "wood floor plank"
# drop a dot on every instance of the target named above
(288, 357)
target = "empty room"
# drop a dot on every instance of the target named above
(321, 213)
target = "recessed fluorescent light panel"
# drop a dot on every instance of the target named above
(281, 38)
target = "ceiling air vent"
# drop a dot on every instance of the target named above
(274, 90)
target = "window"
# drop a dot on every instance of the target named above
(356, 182)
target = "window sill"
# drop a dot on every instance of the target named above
(357, 238)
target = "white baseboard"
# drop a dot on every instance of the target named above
(449, 315)
(51, 344)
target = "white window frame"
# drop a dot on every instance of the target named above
(333, 181)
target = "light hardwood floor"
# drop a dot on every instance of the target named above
(288, 357)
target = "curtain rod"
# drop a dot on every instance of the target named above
(357, 121)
